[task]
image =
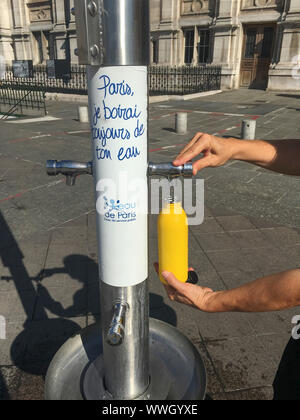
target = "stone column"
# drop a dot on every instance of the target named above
(6, 49)
(73, 46)
(167, 9)
(224, 37)
(165, 51)
(168, 28)
(20, 32)
(285, 74)
(294, 7)
(59, 30)
(71, 30)
(179, 44)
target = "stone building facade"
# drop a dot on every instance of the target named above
(37, 30)
(257, 42)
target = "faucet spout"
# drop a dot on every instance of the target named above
(168, 170)
(69, 168)
(116, 331)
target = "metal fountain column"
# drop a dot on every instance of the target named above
(114, 43)
(129, 361)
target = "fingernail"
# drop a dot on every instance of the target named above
(165, 273)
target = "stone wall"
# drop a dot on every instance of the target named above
(39, 29)
(225, 20)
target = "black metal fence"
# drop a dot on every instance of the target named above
(184, 80)
(16, 96)
(163, 80)
(75, 84)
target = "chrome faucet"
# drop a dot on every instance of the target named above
(73, 169)
(168, 170)
(116, 331)
(69, 168)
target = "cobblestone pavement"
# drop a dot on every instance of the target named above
(48, 257)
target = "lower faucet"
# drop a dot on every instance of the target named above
(116, 331)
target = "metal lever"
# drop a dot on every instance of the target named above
(168, 170)
(116, 331)
(69, 168)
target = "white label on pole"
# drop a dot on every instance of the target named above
(118, 115)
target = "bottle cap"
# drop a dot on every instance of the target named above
(192, 277)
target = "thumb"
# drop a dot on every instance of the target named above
(172, 281)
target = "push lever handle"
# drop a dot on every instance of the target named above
(168, 170)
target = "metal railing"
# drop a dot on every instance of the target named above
(76, 84)
(16, 96)
(163, 80)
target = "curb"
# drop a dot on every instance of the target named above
(65, 97)
(155, 99)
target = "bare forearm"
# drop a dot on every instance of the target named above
(277, 155)
(272, 293)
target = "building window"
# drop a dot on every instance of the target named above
(203, 45)
(155, 51)
(250, 43)
(189, 37)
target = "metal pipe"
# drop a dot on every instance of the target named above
(113, 34)
(114, 40)
(127, 364)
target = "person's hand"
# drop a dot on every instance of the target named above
(216, 151)
(189, 294)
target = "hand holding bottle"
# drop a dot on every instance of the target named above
(189, 294)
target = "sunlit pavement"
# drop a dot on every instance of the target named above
(48, 264)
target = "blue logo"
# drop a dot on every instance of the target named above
(115, 211)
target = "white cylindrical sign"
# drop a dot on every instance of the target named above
(118, 105)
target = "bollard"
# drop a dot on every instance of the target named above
(83, 114)
(181, 123)
(248, 129)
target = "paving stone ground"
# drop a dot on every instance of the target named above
(48, 255)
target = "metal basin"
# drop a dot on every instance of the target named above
(177, 371)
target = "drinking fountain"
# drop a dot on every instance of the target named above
(127, 355)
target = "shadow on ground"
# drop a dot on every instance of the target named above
(4, 394)
(33, 349)
(42, 336)
(288, 95)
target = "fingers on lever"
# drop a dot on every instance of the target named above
(182, 158)
(192, 277)
(190, 144)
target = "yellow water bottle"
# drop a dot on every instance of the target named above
(172, 229)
